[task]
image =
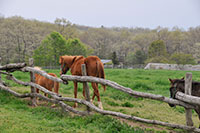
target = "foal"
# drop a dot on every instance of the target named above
(45, 82)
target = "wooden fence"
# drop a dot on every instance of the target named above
(57, 99)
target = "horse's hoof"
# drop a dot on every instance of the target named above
(59, 95)
(91, 101)
(65, 82)
(75, 105)
(100, 105)
(53, 105)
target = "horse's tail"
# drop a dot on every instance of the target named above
(100, 72)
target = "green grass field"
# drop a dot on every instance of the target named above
(17, 116)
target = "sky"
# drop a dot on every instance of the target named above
(109, 13)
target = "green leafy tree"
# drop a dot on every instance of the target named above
(140, 57)
(183, 59)
(76, 47)
(156, 49)
(53, 46)
(157, 53)
(114, 58)
(130, 59)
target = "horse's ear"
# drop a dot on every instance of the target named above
(60, 59)
(171, 80)
(182, 78)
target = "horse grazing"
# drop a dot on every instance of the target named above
(94, 67)
(179, 85)
(45, 82)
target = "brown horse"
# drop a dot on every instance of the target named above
(179, 85)
(94, 67)
(46, 83)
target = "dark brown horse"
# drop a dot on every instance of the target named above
(94, 67)
(46, 83)
(179, 85)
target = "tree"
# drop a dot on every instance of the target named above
(183, 59)
(76, 47)
(66, 28)
(53, 46)
(157, 49)
(140, 57)
(114, 58)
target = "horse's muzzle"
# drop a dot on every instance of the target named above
(65, 82)
(171, 105)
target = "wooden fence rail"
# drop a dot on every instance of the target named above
(57, 99)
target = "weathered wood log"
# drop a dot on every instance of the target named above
(124, 89)
(0, 71)
(43, 73)
(12, 67)
(32, 78)
(130, 117)
(187, 98)
(63, 105)
(86, 87)
(188, 90)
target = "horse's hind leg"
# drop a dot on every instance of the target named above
(37, 99)
(93, 97)
(198, 112)
(96, 91)
(75, 93)
(84, 91)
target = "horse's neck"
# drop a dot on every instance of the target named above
(76, 66)
(77, 61)
(37, 76)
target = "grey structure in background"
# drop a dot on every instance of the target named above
(172, 67)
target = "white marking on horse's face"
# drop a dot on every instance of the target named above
(175, 85)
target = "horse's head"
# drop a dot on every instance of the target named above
(66, 63)
(176, 85)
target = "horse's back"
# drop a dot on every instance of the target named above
(94, 66)
(76, 67)
(45, 82)
(195, 86)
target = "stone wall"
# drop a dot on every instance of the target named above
(173, 67)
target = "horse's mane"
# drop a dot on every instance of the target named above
(182, 81)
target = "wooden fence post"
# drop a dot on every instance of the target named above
(87, 91)
(0, 73)
(32, 77)
(188, 90)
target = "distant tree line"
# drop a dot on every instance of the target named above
(21, 39)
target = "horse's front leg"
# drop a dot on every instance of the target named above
(37, 99)
(75, 93)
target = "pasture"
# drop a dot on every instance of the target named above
(18, 115)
